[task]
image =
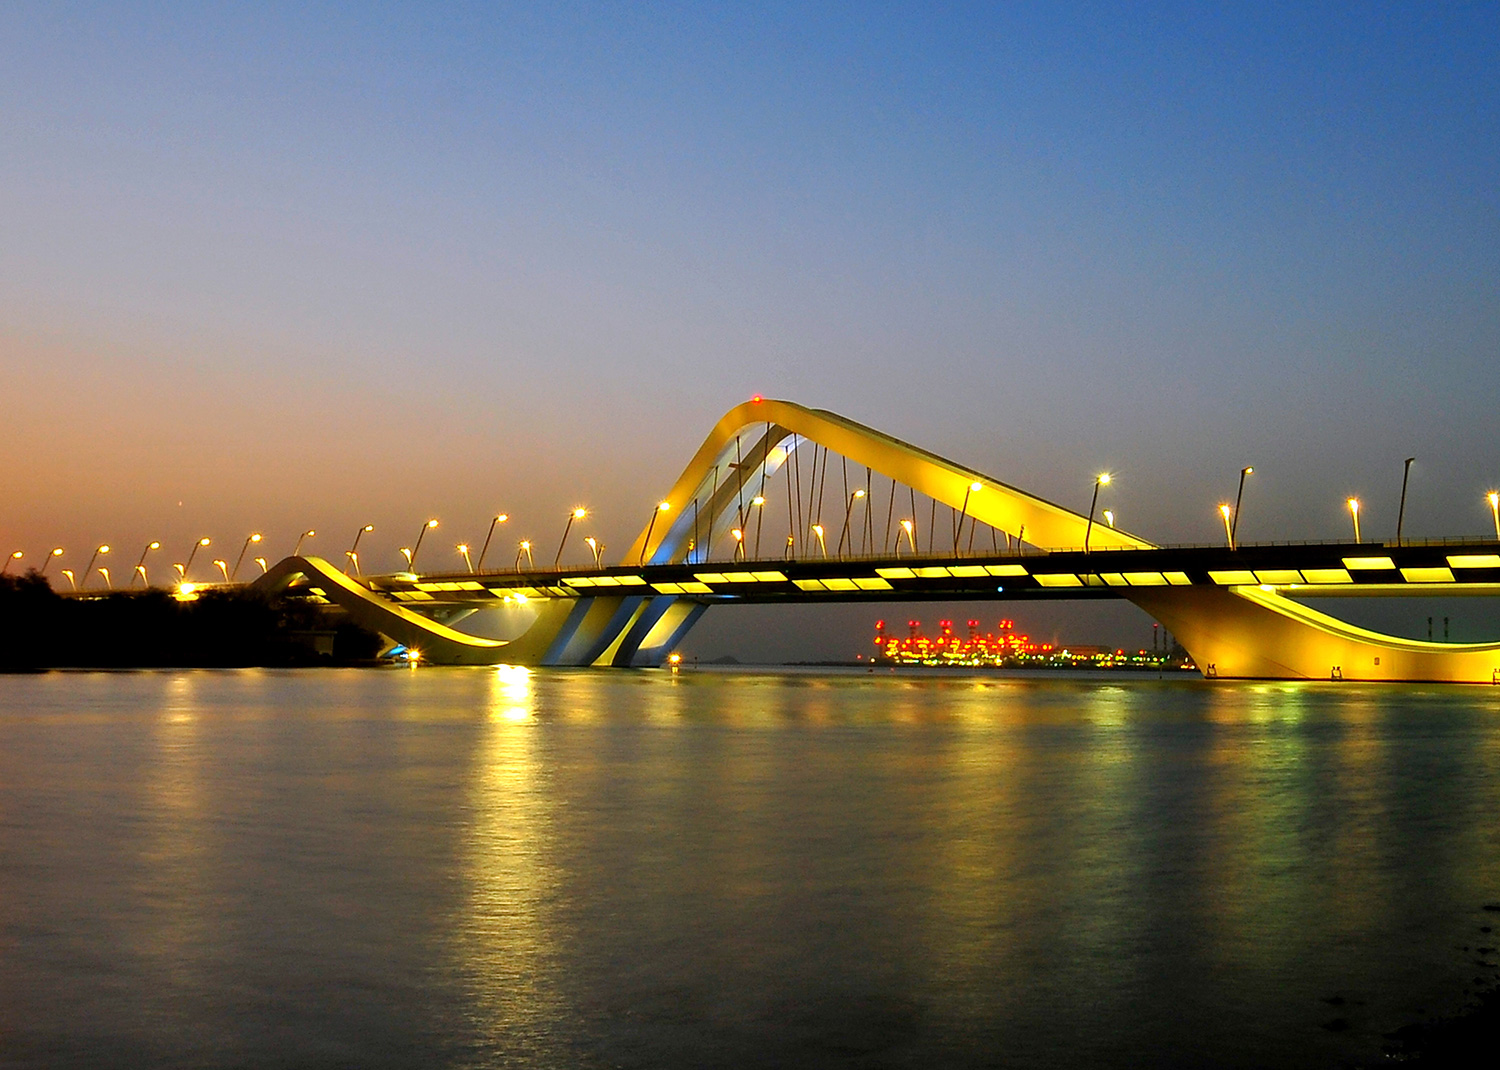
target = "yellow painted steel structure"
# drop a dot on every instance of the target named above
(434, 641)
(1255, 633)
(996, 504)
(1232, 627)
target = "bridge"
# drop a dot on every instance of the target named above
(1237, 610)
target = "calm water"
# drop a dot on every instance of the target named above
(501, 868)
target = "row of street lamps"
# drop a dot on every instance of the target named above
(1229, 514)
(523, 549)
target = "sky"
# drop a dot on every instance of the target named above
(277, 267)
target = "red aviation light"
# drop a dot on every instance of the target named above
(755, 400)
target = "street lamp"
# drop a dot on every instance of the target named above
(759, 502)
(90, 569)
(524, 547)
(1234, 525)
(15, 556)
(1401, 512)
(848, 512)
(140, 565)
(661, 507)
(910, 527)
(182, 570)
(353, 552)
(964, 512)
(463, 548)
(1354, 512)
(261, 561)
(739, 544)
(308, 534)
(500, 518)
(411, 562)
(1101, 480)
(823, 546)
(1109, 517)
(71, 582)
(406, 553)
(57, 551)
(577, 514)
(1228, 526)
(223, 567)
(1493, 497)
(254, 537)
(105, 573)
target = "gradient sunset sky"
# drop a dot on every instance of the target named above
(272, 267)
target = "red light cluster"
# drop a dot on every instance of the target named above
(975, 648)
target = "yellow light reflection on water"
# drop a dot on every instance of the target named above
(504, 939)
(511, 694)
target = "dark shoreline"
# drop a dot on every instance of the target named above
(219, 628)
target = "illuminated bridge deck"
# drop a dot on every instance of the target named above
(1304, 570)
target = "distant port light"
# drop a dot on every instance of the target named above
(1008, 648)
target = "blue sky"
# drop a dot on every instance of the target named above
(309, 264)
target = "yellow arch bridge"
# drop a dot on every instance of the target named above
(1236, 611)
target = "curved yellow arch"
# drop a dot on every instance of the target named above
(997, 504)
(437, 642)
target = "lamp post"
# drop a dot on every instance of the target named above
(223, 567)
(57, 551)
(910, 527)
(848, 512)
(308, 534)
(500, 518)
(1228, 526)
(739, 544)
(817, 529)
(71, 582)
(16, 555)
(1234, 524)
(759, 502)
(661, 507)
(524, 547)
(1101, 480)
(1109, 517)
(108, 586)
(1493, 497)
(88, 571)
(183, 570)
(1354, 512)
(406, 553)
(1401, 512)
(963, 513)
(463, 548)
(253, 537)
(353, 552)
(140, 565)
(411, 562)
(577, 514)
(261, 561)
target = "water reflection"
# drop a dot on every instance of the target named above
(503, 938)
(533, 868)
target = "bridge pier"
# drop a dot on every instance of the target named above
(1250, 633)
